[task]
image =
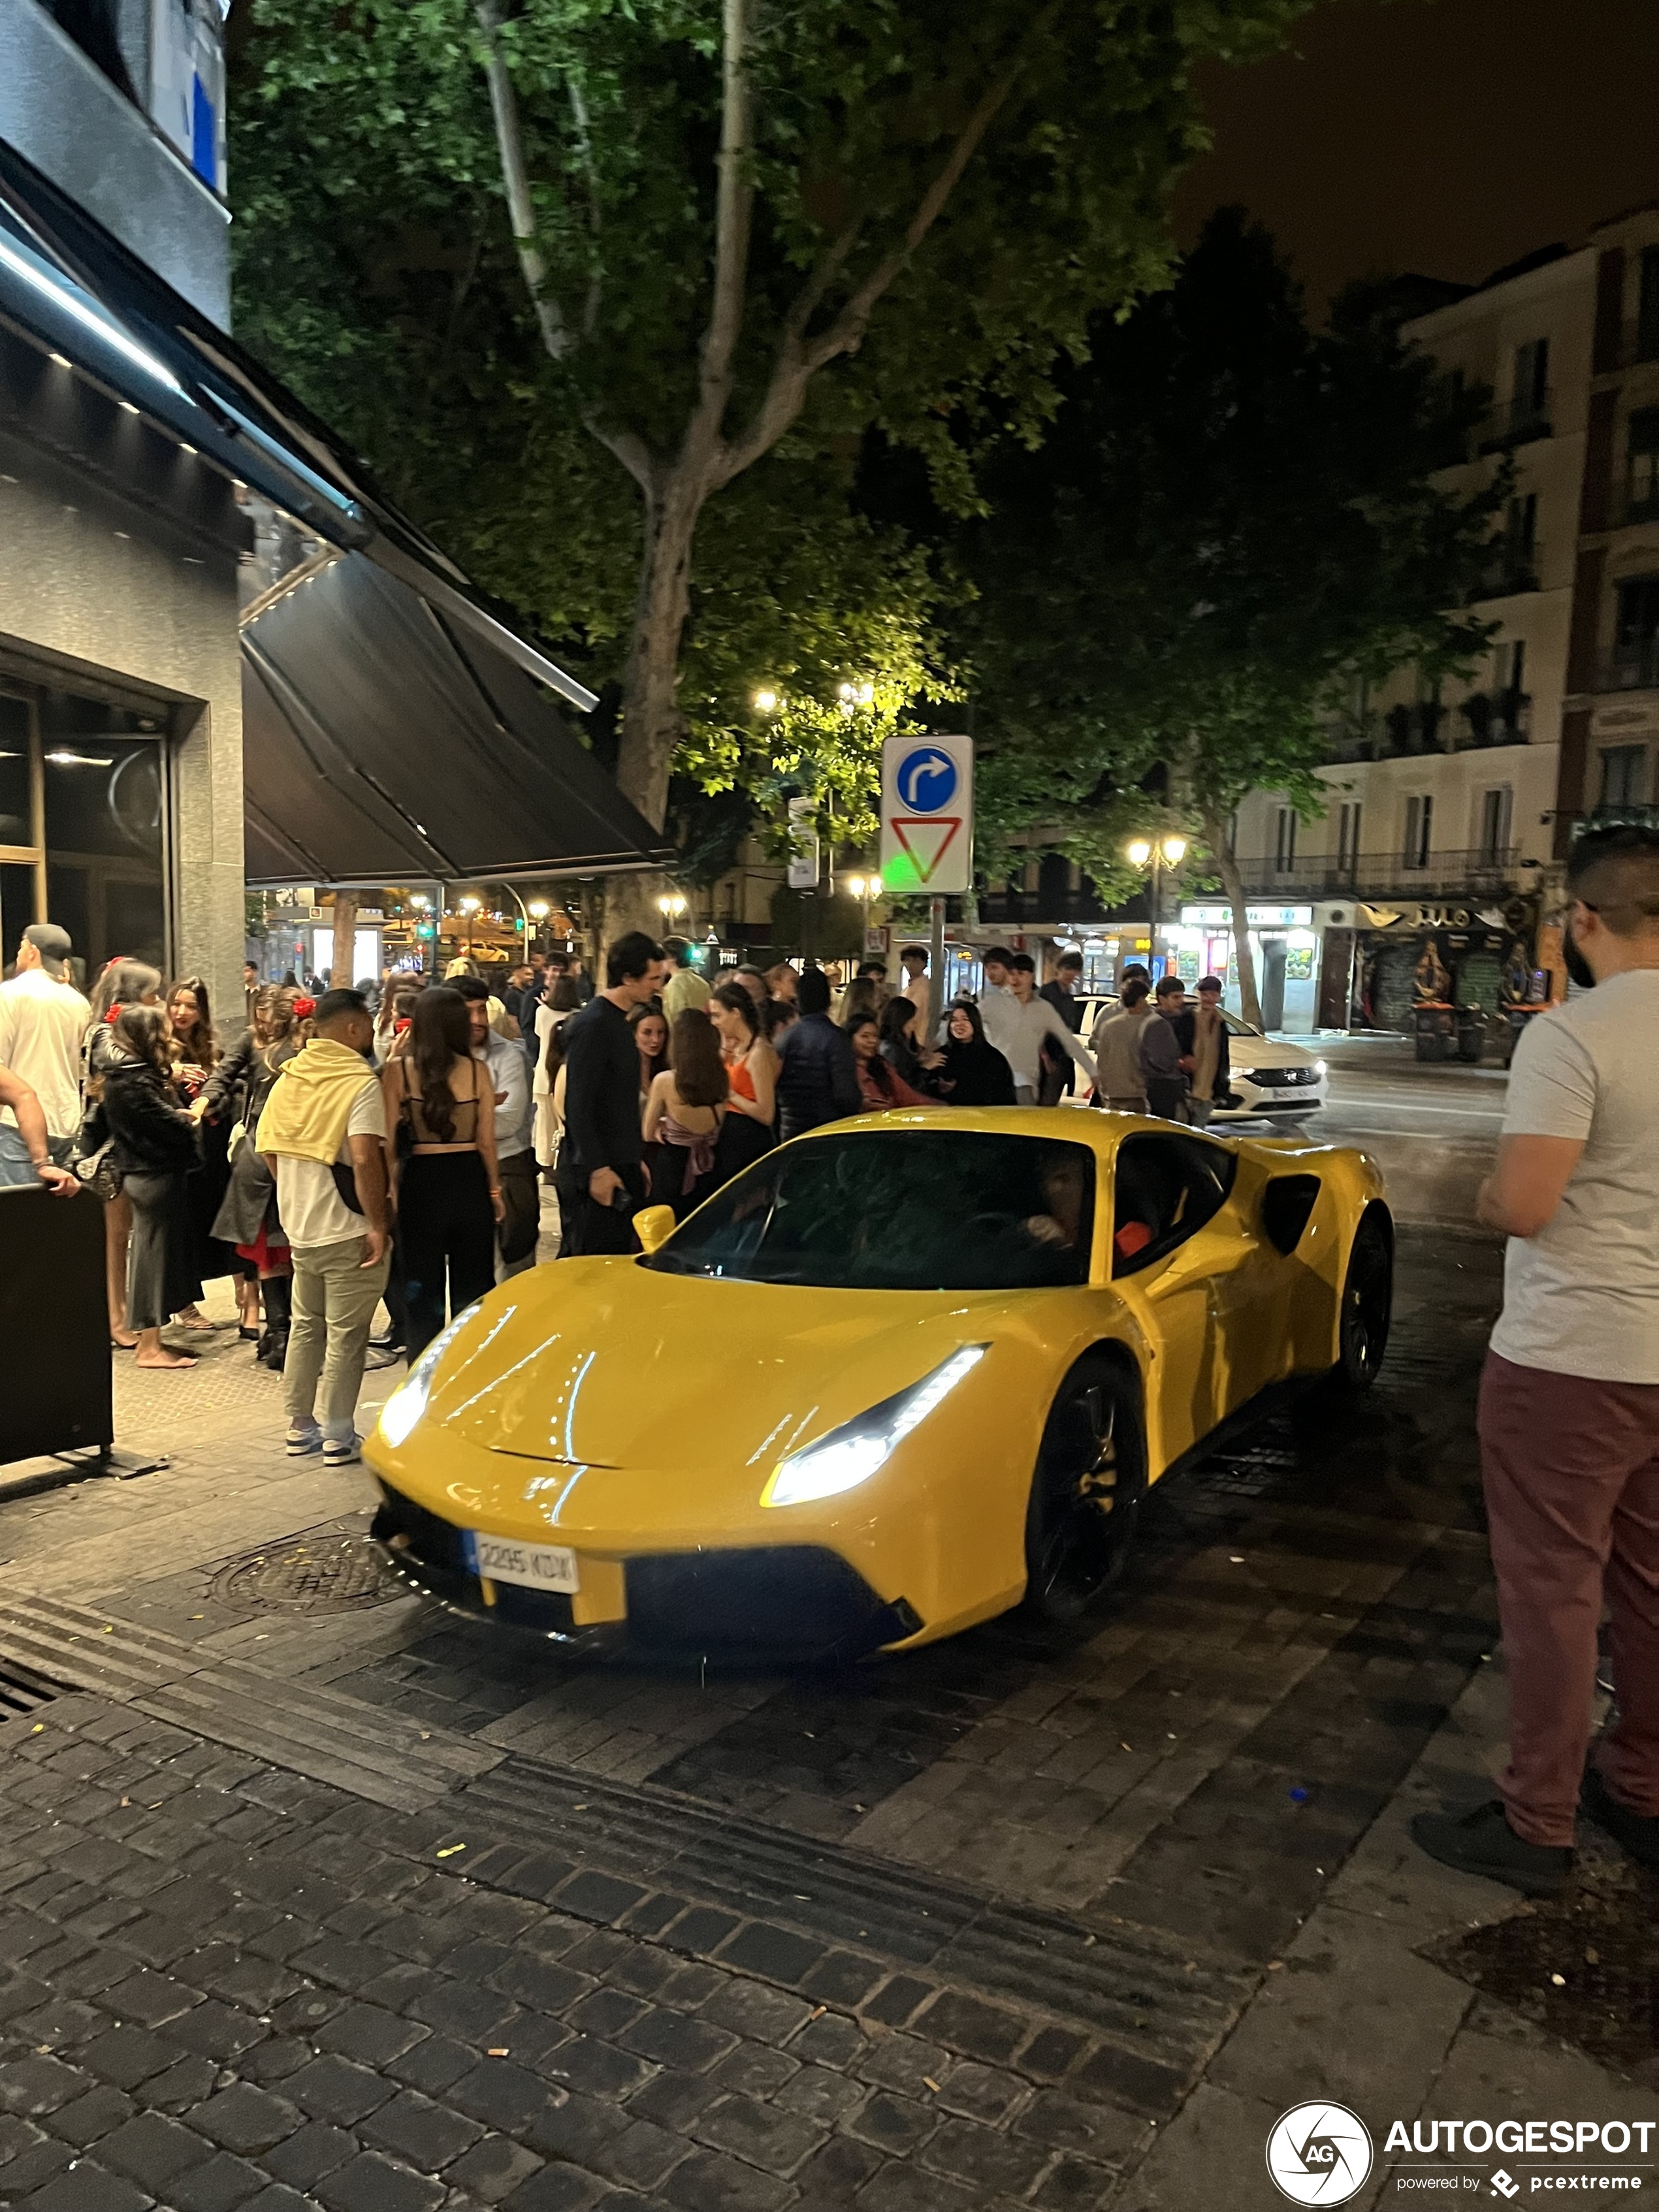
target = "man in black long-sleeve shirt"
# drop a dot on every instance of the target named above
(602, 1151)
(817, 1077)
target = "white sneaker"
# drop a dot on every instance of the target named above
(302, 1443)
(342, 1452)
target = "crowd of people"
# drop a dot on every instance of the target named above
(346, 1149)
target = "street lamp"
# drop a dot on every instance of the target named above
(864, 889)
(671, 905)
(1168, 852)
(766, 701)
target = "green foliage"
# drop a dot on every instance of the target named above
(1233, 518)
(375, 269)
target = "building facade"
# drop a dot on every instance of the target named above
(120, 704)
(1429, 871)
(1610, 735)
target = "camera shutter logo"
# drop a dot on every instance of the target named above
(1319, 2153)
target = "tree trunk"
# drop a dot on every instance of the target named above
(650, 715)
(1226, 863)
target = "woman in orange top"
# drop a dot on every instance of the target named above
(751, 1072)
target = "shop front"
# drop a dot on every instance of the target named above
(1285, 945)
(1411, 960)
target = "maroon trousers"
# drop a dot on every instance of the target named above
(1570, 1469)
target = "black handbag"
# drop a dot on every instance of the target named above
(92, 1155)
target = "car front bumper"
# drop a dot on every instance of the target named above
(800, 1602)
(1249, 1100)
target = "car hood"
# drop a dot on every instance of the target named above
(605, 1364)
(1267, 1052)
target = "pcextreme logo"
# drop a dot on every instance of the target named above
(1319, 2153)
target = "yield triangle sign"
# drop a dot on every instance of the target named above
(927, 838)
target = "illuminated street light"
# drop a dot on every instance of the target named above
(766, 701)
(539, 909)
(470, 905)
(671, 905)
(1168, 853)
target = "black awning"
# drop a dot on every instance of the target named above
(398, 721)
(381, 741)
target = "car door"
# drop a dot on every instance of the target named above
(1175, 1251)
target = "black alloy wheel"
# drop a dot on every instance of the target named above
(1087, 1493)
(1367, 1303)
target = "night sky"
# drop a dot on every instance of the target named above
(1443, 137)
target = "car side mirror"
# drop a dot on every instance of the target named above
(654, 1226)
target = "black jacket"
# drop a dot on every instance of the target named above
(975, 1073)
(601, 1091)
(152, 1133)
(817, 1081)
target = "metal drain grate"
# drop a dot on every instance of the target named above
(324, 1573)
(22, 1691)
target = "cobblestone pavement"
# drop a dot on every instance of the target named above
(288, 1866)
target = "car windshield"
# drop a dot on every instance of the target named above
(1237, 1027)
(899, 1210)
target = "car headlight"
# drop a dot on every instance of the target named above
(1319, 1067)
(407, 1401)
(1246, 1075)
(851, 1453)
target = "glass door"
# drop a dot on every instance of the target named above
(84, 827)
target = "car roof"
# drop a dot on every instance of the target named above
(1102, 1132)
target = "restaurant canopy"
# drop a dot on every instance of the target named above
(397, 722)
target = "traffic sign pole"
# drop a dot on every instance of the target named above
(936, 967)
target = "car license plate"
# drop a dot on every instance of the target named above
(534, 1566)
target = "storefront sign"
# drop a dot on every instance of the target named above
(1259, 917)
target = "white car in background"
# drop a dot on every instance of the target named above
(1271, 1079)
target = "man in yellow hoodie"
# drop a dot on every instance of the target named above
(323, 1136)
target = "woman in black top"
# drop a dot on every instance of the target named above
(155, 1150)
(195, 1054)
(974, 1073)
(234, 1097)
(440, 1112)
(123, 983)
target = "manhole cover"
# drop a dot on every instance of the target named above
(327, 1573)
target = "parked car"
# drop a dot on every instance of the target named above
(896, 1377)
(1271, 1078)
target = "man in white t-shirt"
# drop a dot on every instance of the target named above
(1569, 1398)
(1018, 1023)
(323, 1134)
(43, 1020)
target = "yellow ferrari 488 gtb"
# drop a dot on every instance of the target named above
(896, 1377)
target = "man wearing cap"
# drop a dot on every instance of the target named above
(42, 1021)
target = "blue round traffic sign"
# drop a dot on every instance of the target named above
(927, 780)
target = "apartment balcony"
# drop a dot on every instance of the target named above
(1630, 667)
(1516, 422)
(1614, 817)
(1629, 506)
(1511, 569)
(1494, 718)
(1476, 872)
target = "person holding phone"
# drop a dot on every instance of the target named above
(601, 1176)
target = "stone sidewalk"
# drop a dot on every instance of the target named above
(930, 1935)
